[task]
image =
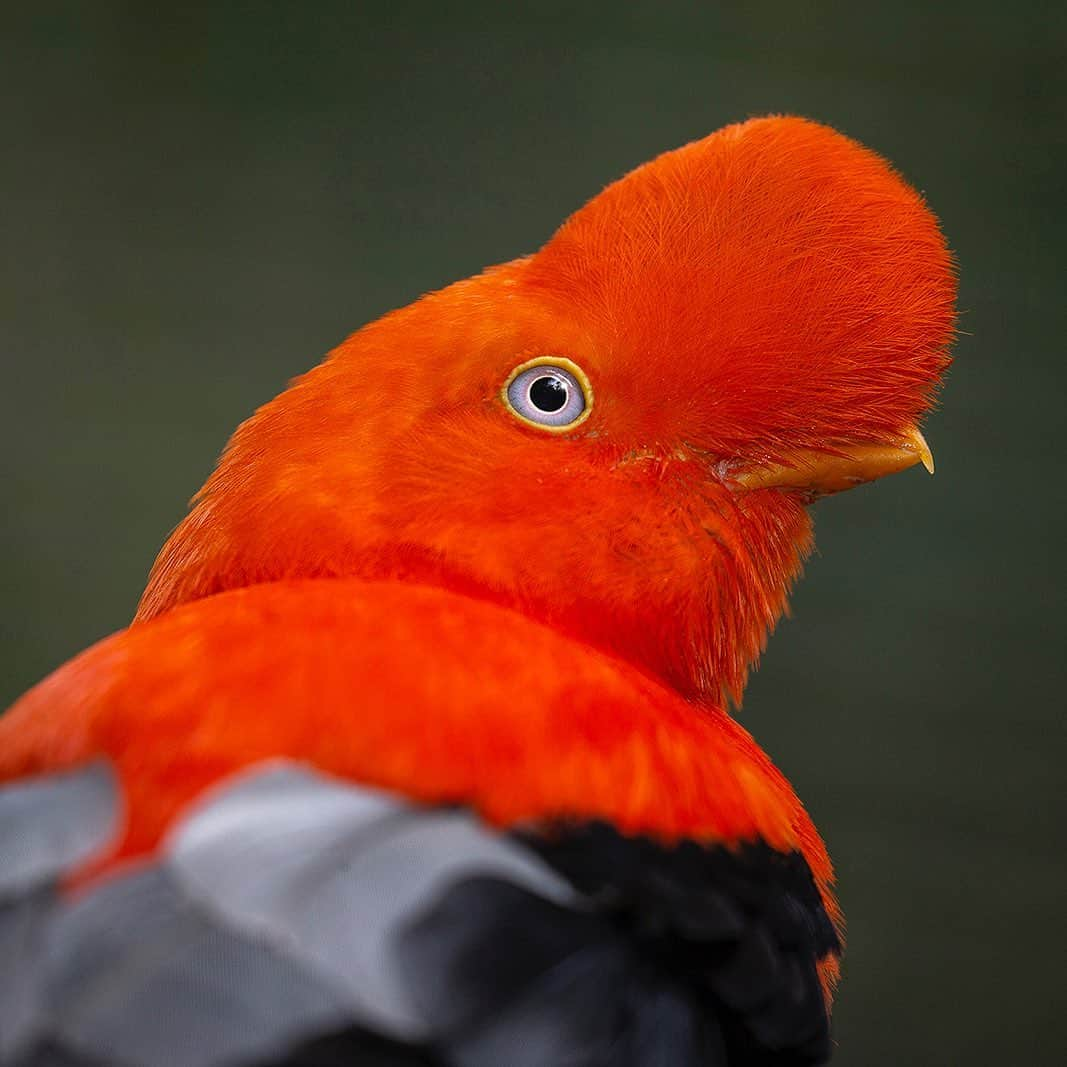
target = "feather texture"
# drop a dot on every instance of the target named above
(774, 286)
(408, 935)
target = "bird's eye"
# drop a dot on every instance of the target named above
(552, 393)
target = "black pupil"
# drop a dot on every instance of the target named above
(548, 393)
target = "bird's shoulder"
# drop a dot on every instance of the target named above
(438, 696)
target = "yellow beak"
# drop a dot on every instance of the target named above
(821, 473)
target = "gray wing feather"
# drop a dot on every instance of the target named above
(347, 869)
(23, 922)
(272, 912)
(49, 825)
(138, 975)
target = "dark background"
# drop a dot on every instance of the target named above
(197, 204)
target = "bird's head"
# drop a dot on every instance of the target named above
(619, 434)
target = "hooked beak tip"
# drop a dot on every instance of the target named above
(914, 440)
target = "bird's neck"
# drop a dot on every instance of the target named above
(698, 626)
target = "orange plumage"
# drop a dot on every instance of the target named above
(392, 577)
(769, 288)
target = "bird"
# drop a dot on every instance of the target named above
(422, 747)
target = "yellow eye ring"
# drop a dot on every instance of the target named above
(551, 393)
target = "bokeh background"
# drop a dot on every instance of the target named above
(198, 202)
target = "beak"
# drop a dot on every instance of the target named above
(822, 473)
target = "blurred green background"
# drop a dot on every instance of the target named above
(198, 202)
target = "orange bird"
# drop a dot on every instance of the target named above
(417, 751)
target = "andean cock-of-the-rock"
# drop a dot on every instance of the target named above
(418, 750)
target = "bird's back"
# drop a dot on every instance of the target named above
(556, 864)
